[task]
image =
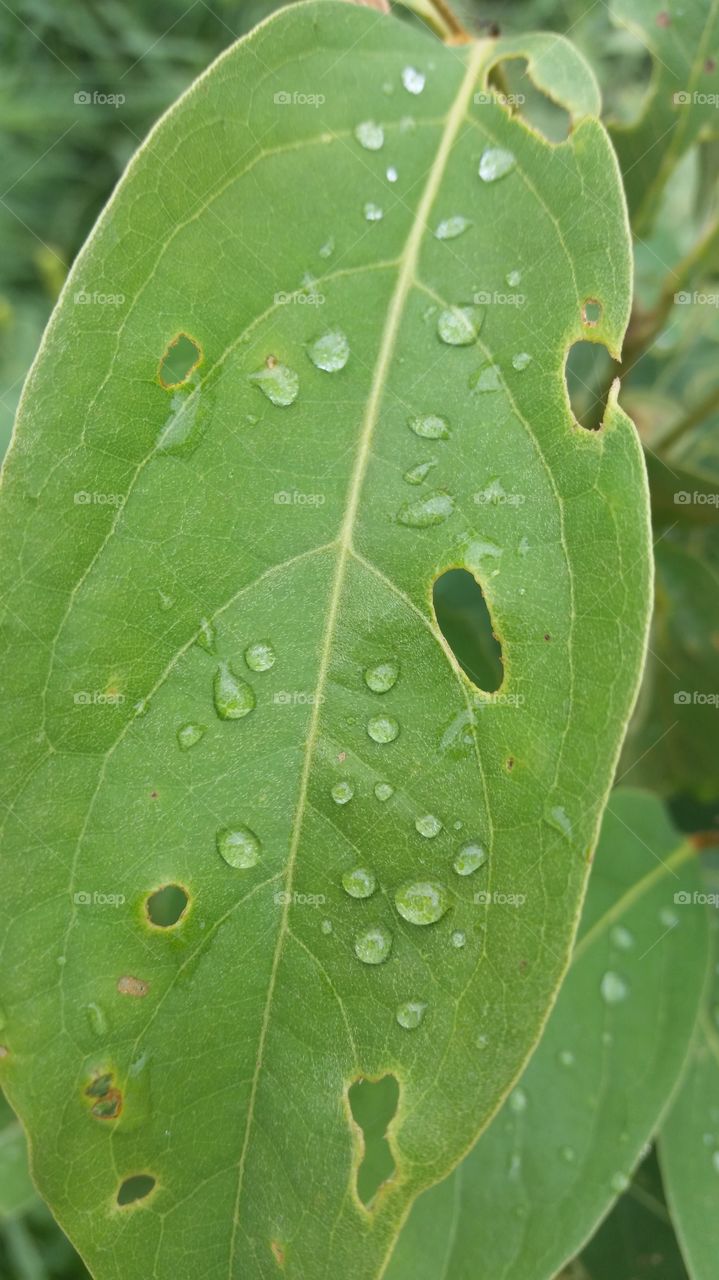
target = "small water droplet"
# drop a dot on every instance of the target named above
(234, 698)
(207, 636)
(495, 163)
(373, 212)
(482, 1042)
(521, 360)
(413, 80)
(619, 1182)
(487, 378)
(330, 352)
(715, 1160)
(410, 1014)
(407, 124)
(374, 945)
(558, 818)
(342, 792)
(418, 474)
(622, 938)
(565, 1058)
(568, 1154)
(370, 135)
(326, 926)
(469, 858)
(392, 174)
(429, 427)
(359, 882)
(260, 656)
(450, 228)
(383, 729)
(165, 602)
(458, 939)
(422, 901)
(433, 509)
(459, 326)
(239, 847)
(190, 734)
(382, 677)
(428, 825)
(278, 382)
(328, 248)
(614, 988)
(518, 1101)
(97, 1018)
(383, 791)
(668, 918)
(513, 278)
(523, 548)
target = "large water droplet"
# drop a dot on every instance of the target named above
(373, 212)
(383, 791)
(521, 360)
(428, 825)
(495, 163)
(382, 677)
(359, 882)
(260, 656)
(430, 427)
(422, 901)
(392, 174)
(469, 858)
(374, 945)
(418, 474)
(234, 698)
(370, 135)
(513, 278)
(410, 1014)
(450, 228)
(614, 988)
(413, 80)
(459, 326)
(342, 792)
(487, 378)
(330, 352)
(278, 382)
(190, 734)
(239, 847)
(434, 509)
(383, 729)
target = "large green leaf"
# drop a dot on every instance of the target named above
(154, 535)
(563, 1146)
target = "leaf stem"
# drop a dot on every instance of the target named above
(441, 18)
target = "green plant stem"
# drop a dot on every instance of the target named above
(440, 17)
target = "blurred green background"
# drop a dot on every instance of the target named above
(61, 159)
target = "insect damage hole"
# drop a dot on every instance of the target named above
(522, 95)
(182, 356)
(137, 1187)
(167, 905)
(588, 377)
(466, 624)
(374, 1105)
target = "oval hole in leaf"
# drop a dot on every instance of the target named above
(180, 360)
(466, 625)
(587, 374)
(374, 1104)
(166, 906)
(591, 313)
(137, 1187)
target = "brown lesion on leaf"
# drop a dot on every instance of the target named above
(106, 1098)
(278, 1253)
(129, 986)
(4, 1051)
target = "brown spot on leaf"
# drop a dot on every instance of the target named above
(109, 1107)
(129, 986)
(664, 19)
(278, 1253)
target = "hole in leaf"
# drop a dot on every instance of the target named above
(374, 1105)
(166, 906)
(591, 313)
(588, 375)
(466, 625)
(180, 360)
(513, 81)
(137, 1187)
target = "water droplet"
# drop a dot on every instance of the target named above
(428, 825)
(330, 352)
(370, 135)
(97, 1018)
(469, 858)
(495, 163)
(373, 212)
(392, 174)
(328, 248)
(557, 817)
(190, 734)
(715, 1160)
(422, 901)
(416, 475)
(239, 847)
(513, 278)
(260, 656)
(185, 424)
(619, 1182)
(407, 124)
(487, 378)
(410, 1014)
(450, 228)
(374, 945)
(326, 926)
(383, 729)
(622, 938)
(459, 326)
(434, 509)
(278, 382)
(521, 360)
(518, 1101)
(383, 790)
(568, 1154)
(613, 987)
(234, 698)
(668, 918)
(523, 547)
(359, 882)
(458, 939)
(382, 677)
(342, 792)
(207, 635)
(413, 80)
(565, 1057)
(430, 427)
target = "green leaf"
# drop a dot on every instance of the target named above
(636, 1239)
(205, 585)
(16, 1189)
(570, 1134)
